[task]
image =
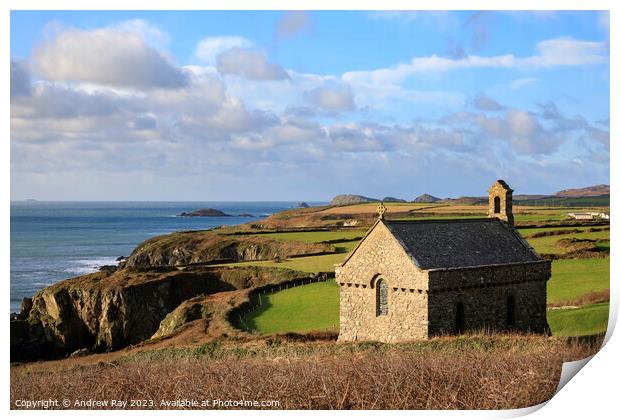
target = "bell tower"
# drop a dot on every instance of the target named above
(500, 202)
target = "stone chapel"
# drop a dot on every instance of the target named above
(409, 280)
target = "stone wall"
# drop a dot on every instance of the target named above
(381, 256)
(484, 293)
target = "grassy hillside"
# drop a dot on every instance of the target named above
(574, 282)
(312, 371)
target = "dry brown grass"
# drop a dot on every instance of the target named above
(587, 299)
(478, 372)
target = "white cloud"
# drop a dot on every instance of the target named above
(566, 52)
(332, 98)
(400, 72)
(239, 123)
(251, 64)
(151, 34)
(551, 53)
(20, 78)
(208, 49)
(113, 57)
(292, 23)
(522, 82)
(388, 96)
(486, 103)
(522, 130)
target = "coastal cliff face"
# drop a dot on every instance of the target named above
(118, 307)
(105, 312)
(190, 248)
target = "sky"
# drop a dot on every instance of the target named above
(274, 105)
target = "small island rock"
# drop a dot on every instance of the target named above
(204, 213)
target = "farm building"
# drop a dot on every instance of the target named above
(589, 216)
(416, 279)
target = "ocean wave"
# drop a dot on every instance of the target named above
(90, 265)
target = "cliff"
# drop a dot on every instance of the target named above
(191, 248)
(105, 312)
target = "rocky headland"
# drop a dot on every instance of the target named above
(348, 199)
(426, 198)
(127, 304)
(109, 311)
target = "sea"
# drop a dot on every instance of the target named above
(52, 241)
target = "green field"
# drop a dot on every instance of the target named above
(314, 264)
(320, 263)
(315, 306)
(601, 200)
(603, 246)
(547, 244)
(311, 307)
(541, 217)
(319, 236)
(530, 231)
(587, 320)
(573, 278)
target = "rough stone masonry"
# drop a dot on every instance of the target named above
(411, 280)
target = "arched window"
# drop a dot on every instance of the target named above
(510, 311)
(382, 297)
(459, 318)
(496, 205)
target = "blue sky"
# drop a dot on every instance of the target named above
(305, 105)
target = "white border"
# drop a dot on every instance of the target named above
(592, 394)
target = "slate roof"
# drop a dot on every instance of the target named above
(435, 244)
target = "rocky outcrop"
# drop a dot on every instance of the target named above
(303, 205)
(191, 248)
(393, 200)
(204, 213)
(104, 312)
(467, 201)
(426, 198)
(347, 199)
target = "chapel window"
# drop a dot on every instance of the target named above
(382, 297)
(459, 321)
(510, 311)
